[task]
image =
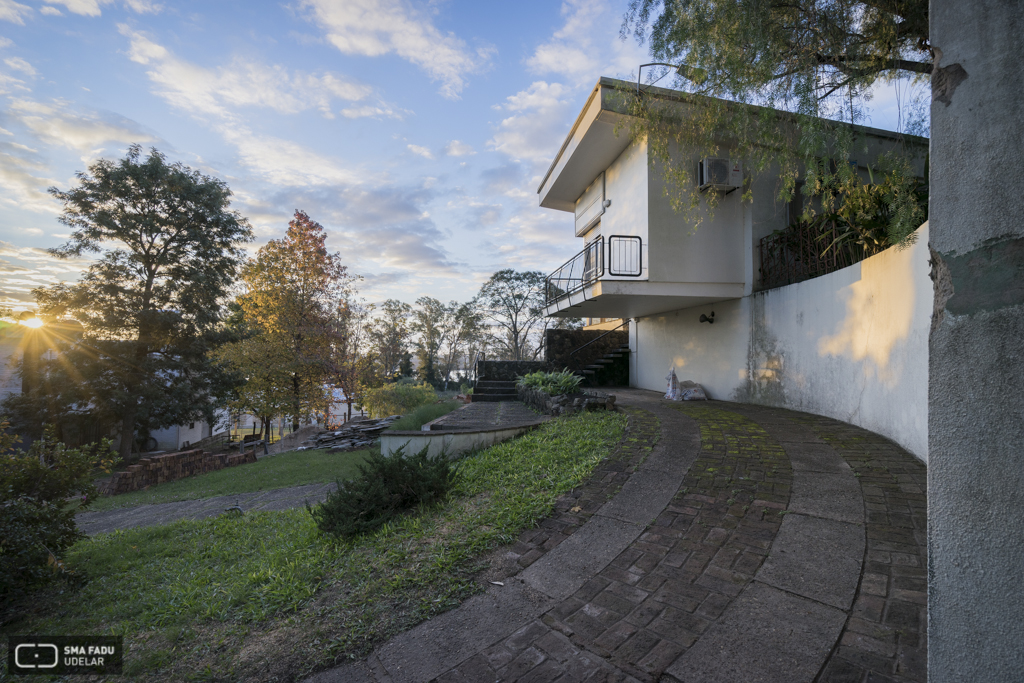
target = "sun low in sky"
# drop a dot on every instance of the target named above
(415, 132)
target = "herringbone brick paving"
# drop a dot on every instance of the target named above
(575, 508)
(635, 616)
(657, 598)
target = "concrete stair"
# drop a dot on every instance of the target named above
(494, 390)
(602, 368)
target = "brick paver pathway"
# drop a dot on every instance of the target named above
(749, 544)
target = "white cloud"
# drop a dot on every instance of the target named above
(286, 163)
(23, 181)
(587, 46)
(14, 12)
(197, 89)
(50, 11)
(377, 111)
(542, 117)
(57, 124)
(457, 148)
(10, 83)
(5, 42)
(19, 64)
(88, 8)
(143, 6)
(378, 27)
(421, 151)
(37, 268)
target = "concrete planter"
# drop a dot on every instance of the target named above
(451, 443)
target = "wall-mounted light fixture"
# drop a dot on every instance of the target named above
(710, 319)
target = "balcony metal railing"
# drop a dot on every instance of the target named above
(624, 259)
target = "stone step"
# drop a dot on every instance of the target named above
(476, 398)
(495, 383)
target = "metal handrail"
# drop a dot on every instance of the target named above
(572, 353)
(581, 270)
(624, 259)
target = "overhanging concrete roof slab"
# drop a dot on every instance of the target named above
(591, 146)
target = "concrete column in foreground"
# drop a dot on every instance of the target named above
(976, 351)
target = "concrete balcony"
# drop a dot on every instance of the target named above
(607, 279)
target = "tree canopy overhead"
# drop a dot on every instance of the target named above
(784, 52)
(809, 66)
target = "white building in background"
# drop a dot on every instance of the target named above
(851, 345)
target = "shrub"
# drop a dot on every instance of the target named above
(385, 487)
(554, 383)
(397, 399)
(424, 414)
(37, 520)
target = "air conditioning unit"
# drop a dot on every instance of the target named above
(719, 174)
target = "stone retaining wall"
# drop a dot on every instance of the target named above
(564, 404)
(171, 466)
(560, 344)
(507, 370)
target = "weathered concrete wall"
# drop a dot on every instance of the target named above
(852, 345)
(714, 355)
(976, 384)
(714, 252)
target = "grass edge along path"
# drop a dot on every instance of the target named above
(292, 468)
(265, 597)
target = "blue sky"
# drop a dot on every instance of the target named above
(415, 132)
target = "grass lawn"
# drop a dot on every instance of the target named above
(425, 414)
(273, 472)
(266, 597)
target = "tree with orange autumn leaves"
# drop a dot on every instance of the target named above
(298, 319)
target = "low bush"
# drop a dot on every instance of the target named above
(37, 523)
(385, 487)
(554, 383)
(424, 414)
(398, 398)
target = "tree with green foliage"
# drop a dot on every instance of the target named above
(428, 326)
(151, 304)
(809, 66)
(388, 339)
(461, 326)
(513, 302)
(37, 524)
(350, 362)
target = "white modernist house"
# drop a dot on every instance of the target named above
(851, 344)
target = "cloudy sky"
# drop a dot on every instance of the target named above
(415, 132)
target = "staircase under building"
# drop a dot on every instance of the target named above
(611, 369)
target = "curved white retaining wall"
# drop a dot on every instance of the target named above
(852, 345)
